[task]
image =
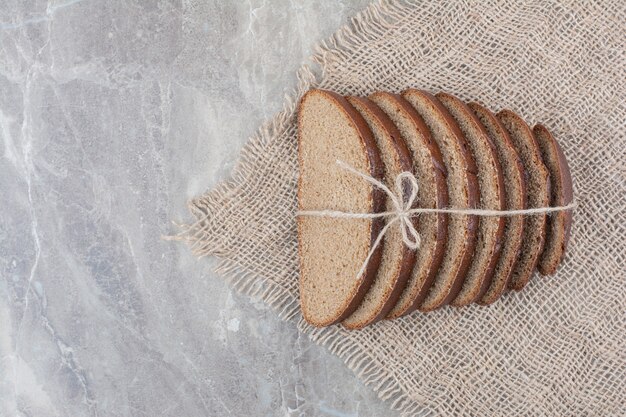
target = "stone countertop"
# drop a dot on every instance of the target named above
(112, 115)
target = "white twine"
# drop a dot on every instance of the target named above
(403, 210)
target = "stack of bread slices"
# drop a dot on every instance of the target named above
(463, 156)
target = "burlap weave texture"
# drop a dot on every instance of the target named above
(558, 347)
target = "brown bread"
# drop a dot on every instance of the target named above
(515, 196)
(462, 191)
(491, 188)
(429, 170)
(397, 258)
(559, 223)
(537, 195)
(332, 250)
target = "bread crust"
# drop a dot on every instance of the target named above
(471, 187)
(376, 169)
(497, 288)
(524, 277)
(441, 191)
(564, 177)
(403, 158)
(486, 275)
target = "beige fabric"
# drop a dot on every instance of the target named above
(558, 347)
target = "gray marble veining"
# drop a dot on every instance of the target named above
(112, 115)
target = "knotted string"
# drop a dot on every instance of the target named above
(403, 212)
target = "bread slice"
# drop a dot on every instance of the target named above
(332, 250)
(515, 199)
(538, 195)
(430, 172)
(559, 223)
(463, 193)
(397, 259)
(491, 190)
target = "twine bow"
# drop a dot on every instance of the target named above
(403, 210)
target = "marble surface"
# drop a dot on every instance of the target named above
(112, 114)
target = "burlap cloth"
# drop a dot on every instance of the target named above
(558, 347)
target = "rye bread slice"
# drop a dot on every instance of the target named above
(397, 259)
(430, 172)
(515, 186)
(537, 195)
(462, 191)
(332, 250)
(491, 192)
(559, 223)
